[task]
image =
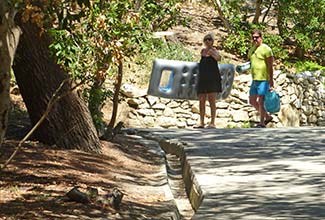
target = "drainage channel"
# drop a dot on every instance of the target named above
(187, 194)
(177, 186)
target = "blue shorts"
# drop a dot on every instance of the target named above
(259, 87)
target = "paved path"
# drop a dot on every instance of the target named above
(252, 174)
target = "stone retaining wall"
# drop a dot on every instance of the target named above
(302, 99)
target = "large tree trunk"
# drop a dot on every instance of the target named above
(69, 124)
(9, 37)
(258, 11)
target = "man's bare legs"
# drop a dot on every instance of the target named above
(258, 103)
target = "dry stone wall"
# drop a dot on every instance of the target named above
(302, 104)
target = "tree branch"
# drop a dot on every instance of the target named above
(54, 99)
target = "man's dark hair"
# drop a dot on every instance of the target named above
(256, 31)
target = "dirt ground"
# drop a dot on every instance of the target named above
(35, 184)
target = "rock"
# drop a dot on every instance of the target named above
(285, 100)
(240, 115)
(293, 98)
(307, 109)
(132, 114)
(190, 122)
(173, 104)
(166, 122)
(181, 124)
(221, 113)
(134, 102)
(159, 106)
(146, 112)
(184, 115)
(222, 105)
(195, 116)
(152, 100)
(243, 78)
(135, 123)
(297, 103)
(312, 119)
(291, 90)
(195, 108)
(132, 92)
(321, 122)
(149, 121)
(168, 112)
(180, 110)
(222, 122)
(236, 106)
(281, 79)
(159, 112)
(144, 106)
(289, 116)
(185, 105)
(164, 101)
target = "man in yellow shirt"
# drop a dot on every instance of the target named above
(261, 58)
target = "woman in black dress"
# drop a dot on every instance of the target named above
(209, 83)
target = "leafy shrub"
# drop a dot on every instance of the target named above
(276, 43)
(308, 66)
(160, 50)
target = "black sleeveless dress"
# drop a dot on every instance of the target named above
(209, 80)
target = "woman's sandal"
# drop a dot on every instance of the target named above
(210, 127)
(198, 126)
(260, 126)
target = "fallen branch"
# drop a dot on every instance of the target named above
(54, 99)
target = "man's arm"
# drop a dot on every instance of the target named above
(269, 64)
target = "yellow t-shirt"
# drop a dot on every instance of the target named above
(257, 57)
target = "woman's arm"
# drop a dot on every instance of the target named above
(214, 53)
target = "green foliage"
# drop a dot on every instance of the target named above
(173, 51)
(308, 66)
(100, 35)
(276, 42)
(301, 21)
(304, 21)
(96, 97)
(238, 42)
(162, 50)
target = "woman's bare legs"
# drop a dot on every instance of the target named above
(202, 99)
(212, 100)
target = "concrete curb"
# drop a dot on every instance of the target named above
(155, 148)
(175, 147)
(193, 189)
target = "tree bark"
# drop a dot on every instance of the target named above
(225, 21)
(280, 20)
(116, 94)
(258, 10)
(267, 11)
(9, 38)
(69, 124)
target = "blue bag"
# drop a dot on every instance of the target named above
(272, 102)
